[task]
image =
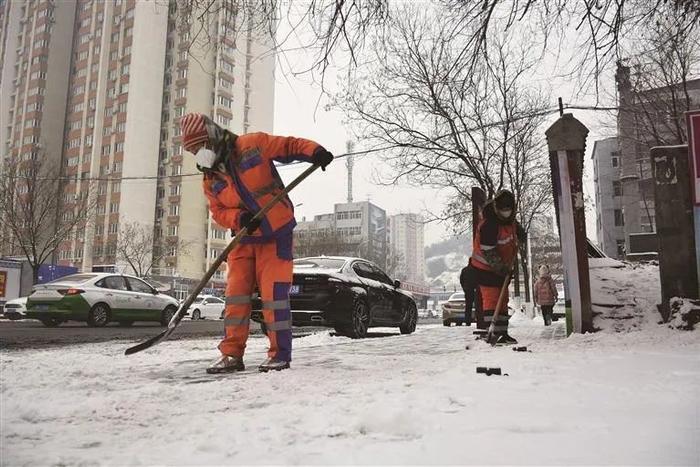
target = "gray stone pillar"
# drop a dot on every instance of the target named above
(674, 224)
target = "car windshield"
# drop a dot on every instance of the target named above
(76, 278)
(198, 300)
(457, 296)
(319, 263)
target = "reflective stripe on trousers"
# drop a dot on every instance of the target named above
(251, 264)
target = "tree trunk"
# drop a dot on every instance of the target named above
(35, 273)
(526, 277)
(516, 277)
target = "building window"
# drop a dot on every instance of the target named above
(117, 187)
(222, 120)
(182, 73)
(174, 190)
(113, 228)
(225, 102)
(619, 218)
(176, 170)
(172, 230)
(174, 210)
(615, 160)
(113, 208)
(617, 188)
(182, 92)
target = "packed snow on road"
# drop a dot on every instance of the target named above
(625, 395)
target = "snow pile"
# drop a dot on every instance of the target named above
(685, 313)
(450, 265)
(594, 399)
(624, 296)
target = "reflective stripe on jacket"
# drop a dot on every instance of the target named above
(252, 181)
(504, 241)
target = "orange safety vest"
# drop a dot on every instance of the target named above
(506, 245)
(252, 181)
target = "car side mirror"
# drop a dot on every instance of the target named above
(154, 292)
(397, 284)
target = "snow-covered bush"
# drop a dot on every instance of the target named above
(685, 313)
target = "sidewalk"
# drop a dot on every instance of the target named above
(389, 399)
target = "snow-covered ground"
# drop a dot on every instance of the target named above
(606, 398)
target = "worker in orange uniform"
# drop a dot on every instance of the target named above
(239, 179)
(494, 249)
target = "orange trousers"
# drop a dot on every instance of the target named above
(270, 266)
(489, 300)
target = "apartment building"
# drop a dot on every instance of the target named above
(406, 244)
(352, 229)
(649, 115)
(34, 73)
(608, 197)
(102, 86)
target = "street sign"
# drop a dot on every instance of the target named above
(693, 119)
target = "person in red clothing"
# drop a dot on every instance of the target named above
(494, 249)
(545, 294)
(239, 179)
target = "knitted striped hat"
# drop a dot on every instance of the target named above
(194, 130)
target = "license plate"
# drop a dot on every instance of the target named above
(294, 289)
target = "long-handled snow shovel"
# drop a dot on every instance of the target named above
(177, 317)
(490, 337)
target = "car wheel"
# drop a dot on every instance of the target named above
(196, 314)
(409, 324)
(167, 315)
(360, 320)
(51, 322)
(125, 324)
(98, 316)
(446, 323)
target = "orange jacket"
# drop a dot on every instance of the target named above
(491, 234)
(252, 181)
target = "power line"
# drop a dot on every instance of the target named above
(539, 113)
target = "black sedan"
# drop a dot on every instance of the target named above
(348, 294)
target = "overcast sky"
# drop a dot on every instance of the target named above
(301, 110)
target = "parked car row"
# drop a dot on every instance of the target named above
(347, 294)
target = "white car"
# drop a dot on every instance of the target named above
(207, 306)
(16, 308)
(98, 298)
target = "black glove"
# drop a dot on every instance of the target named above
(322, 158)
(246, 221)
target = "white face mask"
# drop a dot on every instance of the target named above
(205, 158)
(505, 213)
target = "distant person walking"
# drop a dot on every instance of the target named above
(545, 294)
